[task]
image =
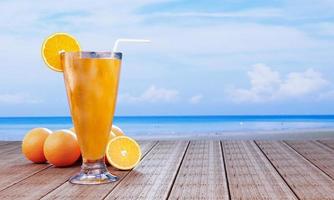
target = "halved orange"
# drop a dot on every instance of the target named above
(54, 45)
(115, 132)
(123, 152)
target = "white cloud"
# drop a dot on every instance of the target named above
(196, 99)
(152, 95)
(267, 85)
(251, 13)
(302, 83)
(18, 98)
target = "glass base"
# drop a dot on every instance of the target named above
(93, 173)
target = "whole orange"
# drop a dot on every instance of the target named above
(61, 148)
(32, 144)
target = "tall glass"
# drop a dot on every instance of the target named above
(91, 80)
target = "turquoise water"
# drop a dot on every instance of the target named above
(14, 128)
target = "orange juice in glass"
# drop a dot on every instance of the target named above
(91, 80)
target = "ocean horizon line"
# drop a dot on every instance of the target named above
(167, 116)
(160, 126)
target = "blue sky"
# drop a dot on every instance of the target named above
(207, 57)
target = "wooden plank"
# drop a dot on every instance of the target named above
(39, 184)
(317, 153)
(9, 146)
(3, 142)
(10, 142)
(154, 177)
(250, 174)
(306, 180)
(15, 168)
(13, 156)
(66, 190)
(329, 143)
(202, 173)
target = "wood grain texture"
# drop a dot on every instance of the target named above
(69, 191)
(329, 143)
(250, 174)
(306, 180)
(39, 184)
(9, 146)
(13, 155)
(317, 153)
(202, 173)
(177, 170)
(10, 142)
(154, 177)
(3, 142)
(14, 167)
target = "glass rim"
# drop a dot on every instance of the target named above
(96, 54)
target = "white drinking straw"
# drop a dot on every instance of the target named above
(128, 40)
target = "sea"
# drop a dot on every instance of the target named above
(168, 127)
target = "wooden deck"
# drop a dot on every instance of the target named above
(187, 170)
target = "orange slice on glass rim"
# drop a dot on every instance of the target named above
(123, 152)
(54, 45)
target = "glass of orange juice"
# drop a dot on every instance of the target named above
(91, 80)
